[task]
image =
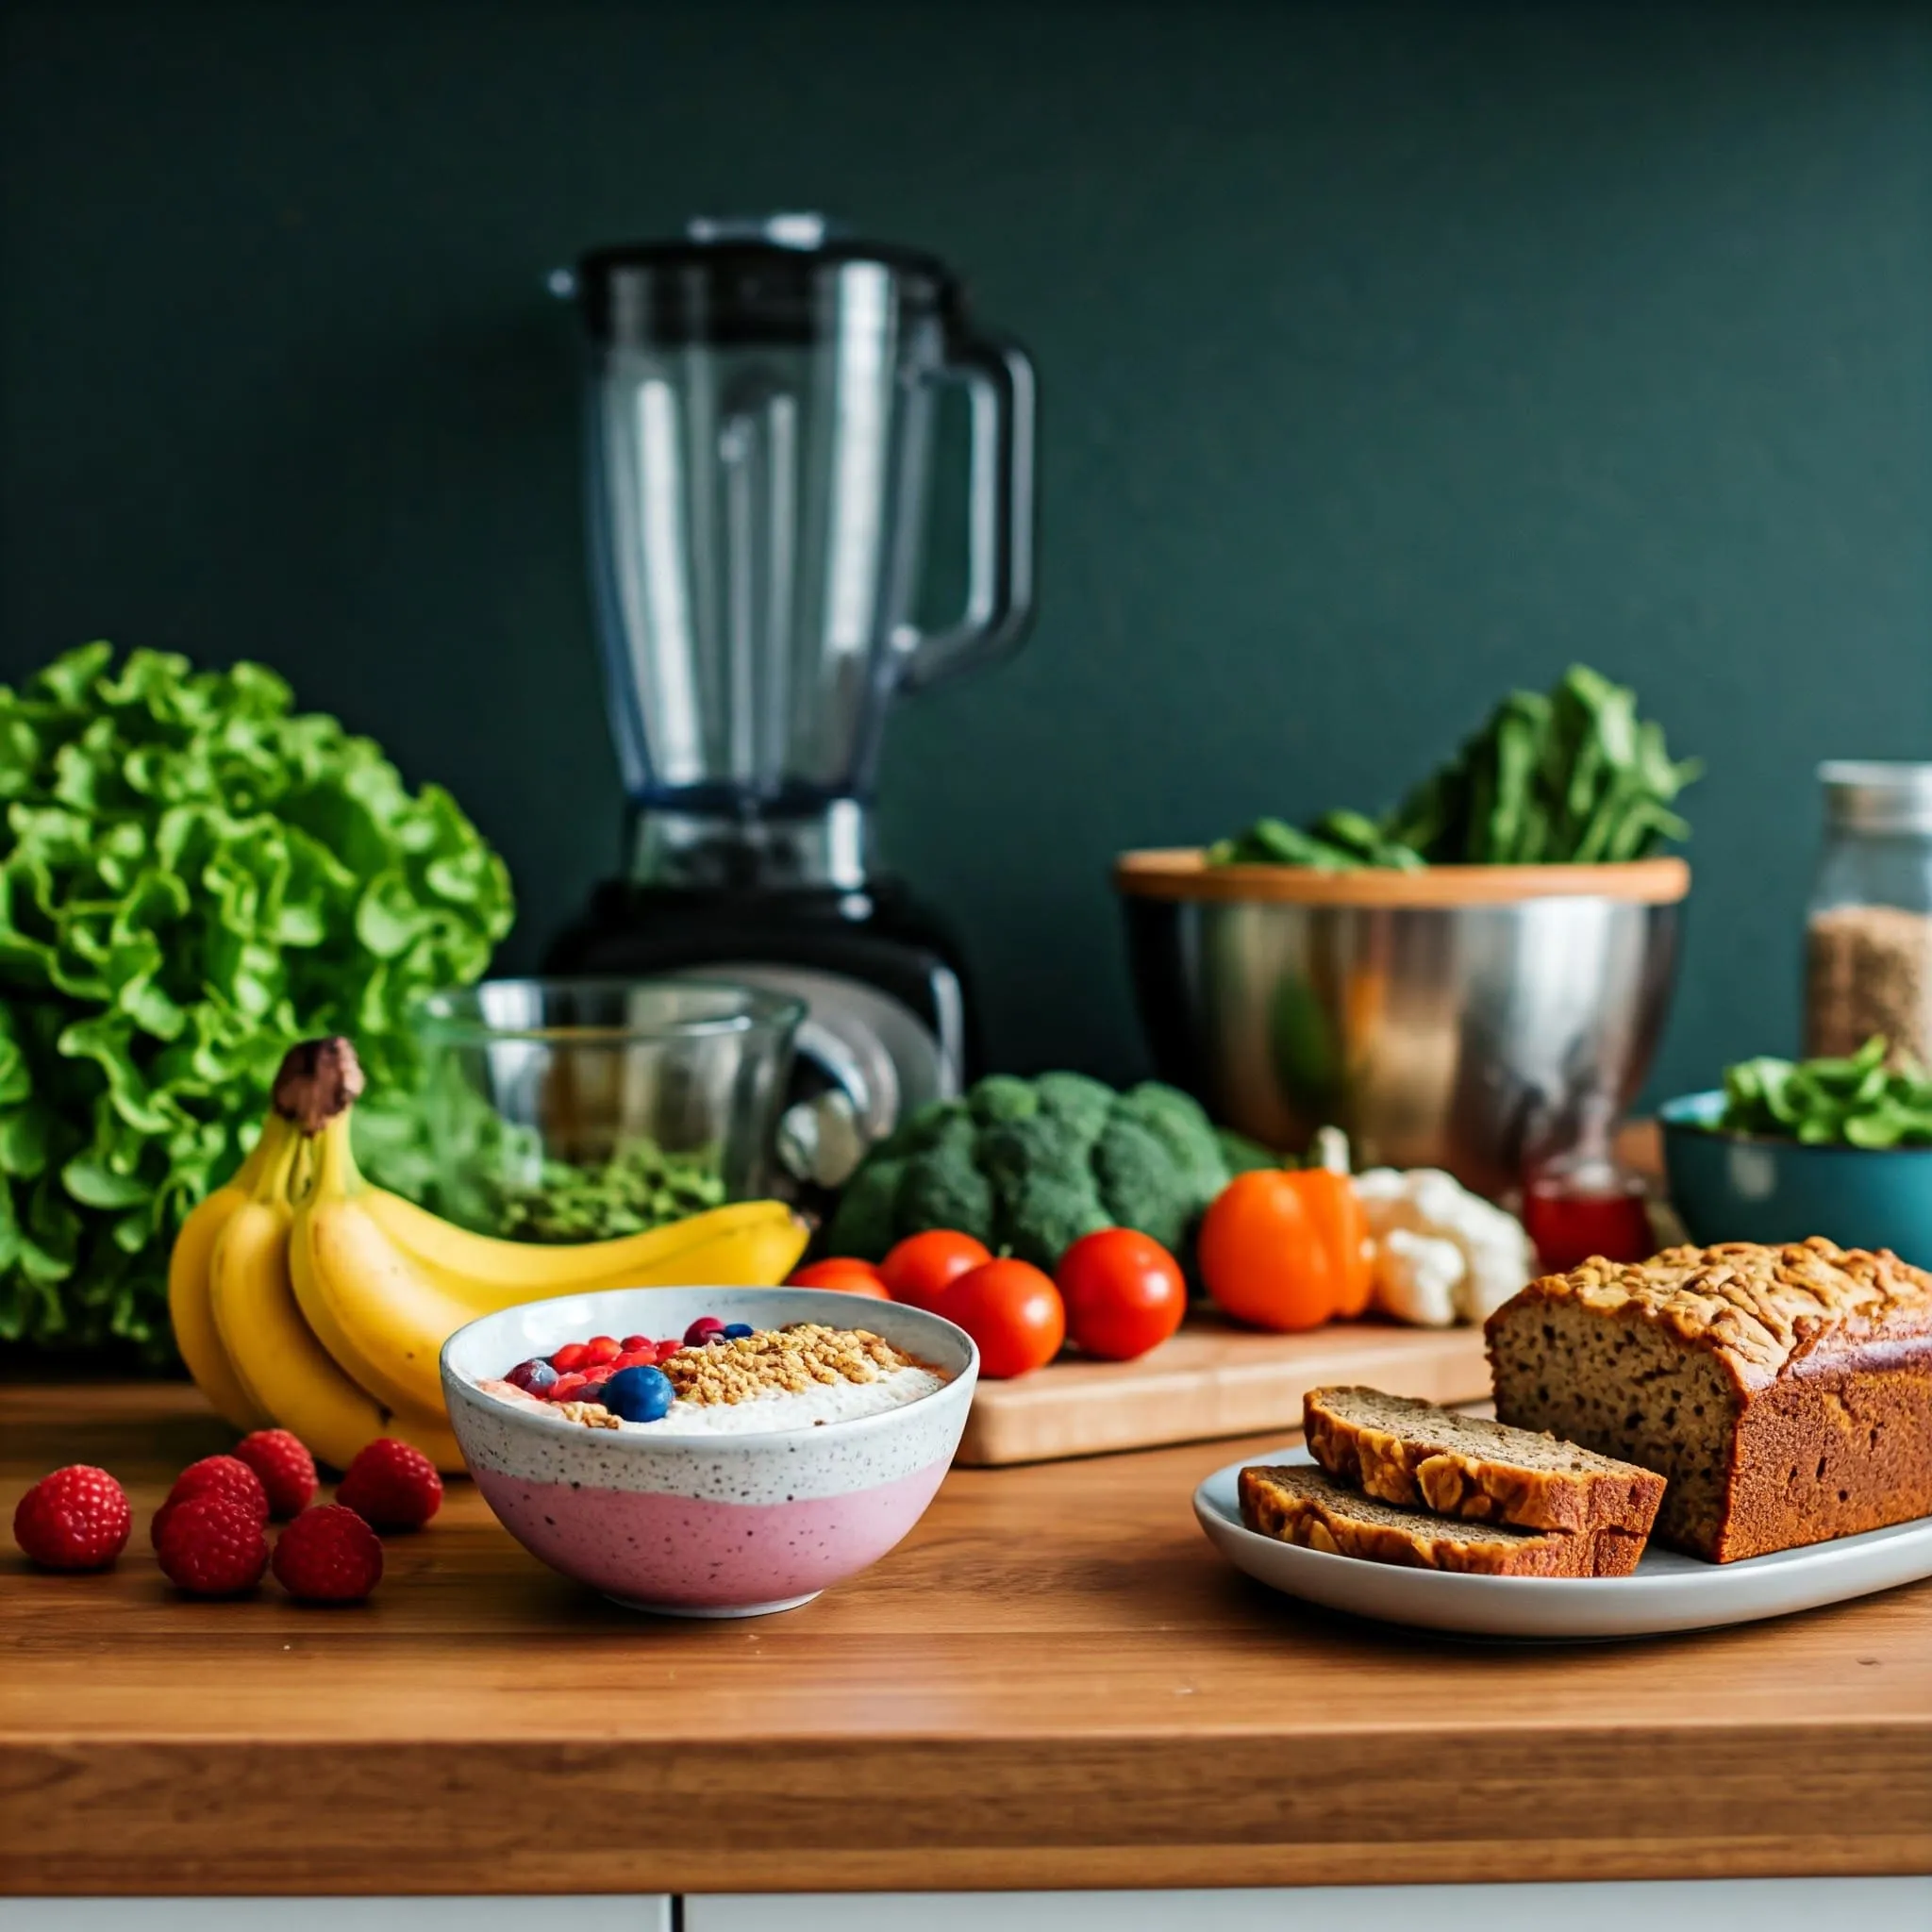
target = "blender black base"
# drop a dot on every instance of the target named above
(877, 935)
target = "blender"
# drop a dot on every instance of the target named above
(763, 403)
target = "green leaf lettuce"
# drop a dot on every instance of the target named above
(192, 876)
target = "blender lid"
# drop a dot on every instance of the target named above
(761, 278)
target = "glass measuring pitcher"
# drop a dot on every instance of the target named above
(762, 409)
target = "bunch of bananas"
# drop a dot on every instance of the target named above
(305, 1298)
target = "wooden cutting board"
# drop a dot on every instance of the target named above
(1213, 1380)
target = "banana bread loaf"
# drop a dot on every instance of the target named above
(1298, 1505)
(1402, 1451)
(1785, 1393)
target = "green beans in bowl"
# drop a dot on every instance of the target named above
(1785, 1149)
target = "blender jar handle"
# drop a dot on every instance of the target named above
(999, 383)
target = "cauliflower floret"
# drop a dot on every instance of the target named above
(1419, 1278)
(1494, 1254)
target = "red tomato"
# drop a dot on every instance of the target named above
(923, 1266)
(842, 1274)
(1125, 1294)
(1014, 1313)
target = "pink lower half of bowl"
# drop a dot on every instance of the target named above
(699, 1557)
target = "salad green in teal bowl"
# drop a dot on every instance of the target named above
(1837, 1147)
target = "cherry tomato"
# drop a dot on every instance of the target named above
(842, 1274)
(922, 1268)
(1014, 1313)
(1125, 1294)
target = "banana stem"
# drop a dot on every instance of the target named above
(272, 1184)
(317, 1082)
(334, 1169)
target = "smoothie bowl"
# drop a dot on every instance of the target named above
(790, 1441)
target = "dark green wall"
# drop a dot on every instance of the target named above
(1390, 356)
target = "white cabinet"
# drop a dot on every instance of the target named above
(1765, 1905)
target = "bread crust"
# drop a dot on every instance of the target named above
(1297, 1505)
(1828, 1352)
(1463, 1467)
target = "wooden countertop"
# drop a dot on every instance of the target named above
(1055, 1682)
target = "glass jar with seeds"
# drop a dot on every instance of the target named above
(1869, 929)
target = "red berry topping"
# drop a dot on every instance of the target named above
(210, 1546)
(670, 1345)
(75, 1519)
(602, 1348)
(702, 1331)
(645, 1357)
(572, 1355)
(284, 1467)
(391, 1485)
(633, 1342)
(329, 1556)
(223, 1476)
(565, 1387)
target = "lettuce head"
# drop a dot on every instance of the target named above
(192, 875)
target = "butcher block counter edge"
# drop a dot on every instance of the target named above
(1054, 1684)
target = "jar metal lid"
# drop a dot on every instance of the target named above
(1874, 795)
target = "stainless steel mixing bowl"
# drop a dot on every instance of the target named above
(1475, 1018)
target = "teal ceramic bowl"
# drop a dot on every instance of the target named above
(1738, 1187)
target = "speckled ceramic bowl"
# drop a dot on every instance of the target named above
(704, 1526)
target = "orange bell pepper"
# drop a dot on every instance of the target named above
(1286, 1248)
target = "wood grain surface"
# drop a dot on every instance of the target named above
(1211, 1379)
(1054, 1682)
(1183, 872)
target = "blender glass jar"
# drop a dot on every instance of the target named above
(1869, 927)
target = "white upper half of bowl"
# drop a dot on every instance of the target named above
(487, 1348)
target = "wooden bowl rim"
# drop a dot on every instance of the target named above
(1182, 873)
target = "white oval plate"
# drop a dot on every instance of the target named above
(1668, 1592)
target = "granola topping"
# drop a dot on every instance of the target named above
(790, 1359)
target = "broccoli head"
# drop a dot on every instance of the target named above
(940, 1187)
(1177, 1122)
(1139, 1186)
(1032, 1165)
(864, 1220)
(1044, 1214)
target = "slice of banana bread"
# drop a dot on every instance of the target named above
(1402, 1451)
(1785, 1393)
(1298, 1505)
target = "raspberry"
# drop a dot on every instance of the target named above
(391, 1486)
(75, 1519)
(329, 1556)
(226, 1477)
(283, 1466)
(210, 1546)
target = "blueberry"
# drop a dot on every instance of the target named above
(734, 1329)
(639, 1395)
(532, 1376)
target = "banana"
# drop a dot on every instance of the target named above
(487, 1274)
(384, 1317)
(189, 1307)
(279, 1364)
